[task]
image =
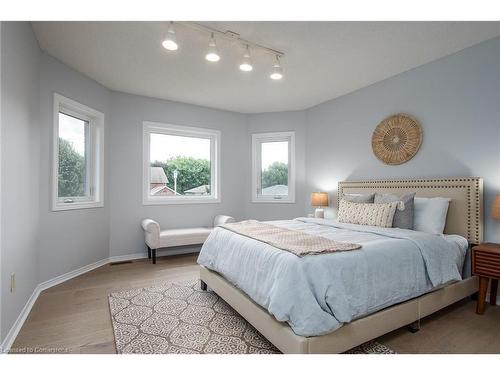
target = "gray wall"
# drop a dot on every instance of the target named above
(125, 170)
(75, 238)
(20, 138)
(457, 101)
(276, 122)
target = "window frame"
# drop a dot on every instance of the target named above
(257, 140)
(150, 127)
(94, 153)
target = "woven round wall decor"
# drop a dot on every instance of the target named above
(397, 139)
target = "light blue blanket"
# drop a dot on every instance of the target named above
(316, 294)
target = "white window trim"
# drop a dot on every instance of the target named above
(96, 168)
(189, 131)
(257, 139)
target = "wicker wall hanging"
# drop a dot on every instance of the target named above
(397, 139)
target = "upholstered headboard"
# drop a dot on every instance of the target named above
(465, 214)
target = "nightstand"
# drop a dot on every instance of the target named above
(486, 265)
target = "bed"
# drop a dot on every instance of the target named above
(330, 303)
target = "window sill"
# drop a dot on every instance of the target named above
(155, 202)
(256, 200)
(76, 206)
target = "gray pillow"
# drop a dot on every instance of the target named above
(359, 198)
(402, 219)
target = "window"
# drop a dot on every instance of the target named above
(273, 167)
(78, 156)
(180, 164)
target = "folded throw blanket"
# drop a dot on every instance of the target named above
(295, 242)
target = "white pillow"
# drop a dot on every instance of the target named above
(430, 214)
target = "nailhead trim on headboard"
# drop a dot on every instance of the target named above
(472, 185)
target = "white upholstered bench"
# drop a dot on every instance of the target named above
(156, 238)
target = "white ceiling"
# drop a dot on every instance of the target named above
(323, 60)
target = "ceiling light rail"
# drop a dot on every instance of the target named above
(231, 35)
(212, 55)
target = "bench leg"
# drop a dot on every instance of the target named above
(414, 327)
(149, 252)
(203, 285)
(154, 256)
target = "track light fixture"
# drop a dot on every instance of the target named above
(246, 64)
(212, 53)
(277, 72)
(170, 41)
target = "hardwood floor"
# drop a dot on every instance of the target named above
(73, 317)
(456, 329)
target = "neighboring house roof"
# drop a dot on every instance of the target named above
(275, 190)
(161, 190)
(203, 189)
(158, 176)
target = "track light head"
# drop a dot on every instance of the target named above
(246, 64)
(277, 72)
(212, 53)
(170, 41)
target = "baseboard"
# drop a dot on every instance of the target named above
(72, 274)
(124, 258)
(16, 327)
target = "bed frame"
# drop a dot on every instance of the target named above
(465, 217)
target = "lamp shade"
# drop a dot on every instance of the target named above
(495, 210)
(319, 199)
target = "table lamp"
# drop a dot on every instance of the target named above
(495, 210)
(320, 199)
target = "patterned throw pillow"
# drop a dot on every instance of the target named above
(376, 214)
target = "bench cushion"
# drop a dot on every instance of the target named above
(184, 236)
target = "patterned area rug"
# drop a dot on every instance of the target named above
(179, 318)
